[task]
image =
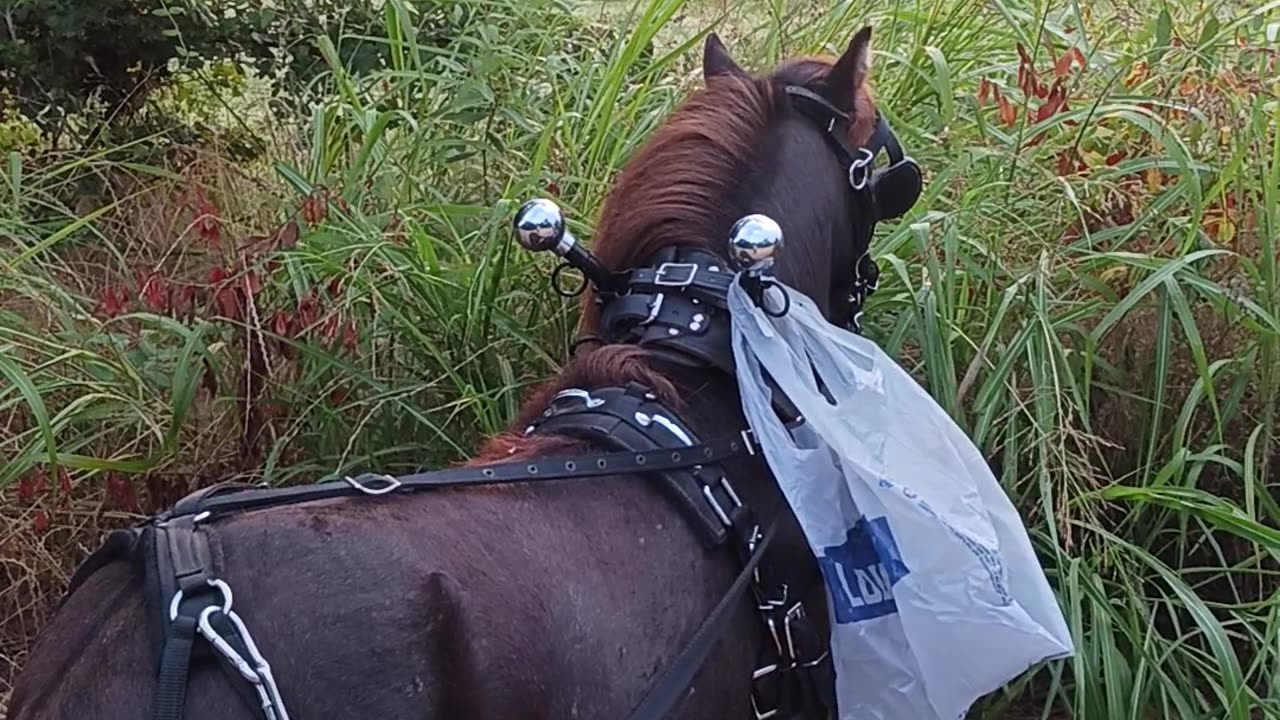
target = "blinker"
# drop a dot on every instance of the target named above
(897, 189)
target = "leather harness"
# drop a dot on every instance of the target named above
(677, 309)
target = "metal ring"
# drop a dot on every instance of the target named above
(557, 285)
(219, 585)
(786, 305)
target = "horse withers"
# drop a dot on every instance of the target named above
(591, 562)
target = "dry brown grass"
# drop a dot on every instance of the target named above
(42, 541)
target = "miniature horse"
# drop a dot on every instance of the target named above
(562, 599)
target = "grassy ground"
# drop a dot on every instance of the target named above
(1089, 285)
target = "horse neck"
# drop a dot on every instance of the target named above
(711, 405)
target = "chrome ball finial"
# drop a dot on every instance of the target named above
(754, 243)
(539, 225)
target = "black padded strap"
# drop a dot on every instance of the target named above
(631, 419)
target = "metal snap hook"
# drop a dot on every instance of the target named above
(860, 169)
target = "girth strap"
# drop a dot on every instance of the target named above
(175, 665)
(189, 600)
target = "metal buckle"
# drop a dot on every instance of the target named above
(793, 612)
(715, 504)
(691, 270)
(755, 708)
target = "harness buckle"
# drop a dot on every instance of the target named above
(690, 271)
(755, 707)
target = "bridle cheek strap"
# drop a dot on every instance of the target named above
(877, 195)
(895, 189)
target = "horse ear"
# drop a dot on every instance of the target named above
(716, 59)
(850, 71)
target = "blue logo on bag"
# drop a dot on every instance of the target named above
(861, 571)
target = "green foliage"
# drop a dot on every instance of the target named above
(1089, 284)
(61, 58)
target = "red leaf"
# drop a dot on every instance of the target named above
(315, 207)
(121, 495)
(338, 396)
(115, 489)
(1079, 57)
(40, 523)
(1116, 157)
(307, 311)
(287, 236)
(1063, 65)
(1055, 102)
(330, 329)
(26, 489)
(155, 293)
(157, 493)
(281, 324)
(229, 303)
(984, 91)
(336, 285)
(217, 275)
(1008, 113)
(553, 188)
(112, 302)
(1028, 81)
(1064, 163)
(350, 336)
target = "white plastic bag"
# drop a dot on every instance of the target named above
(936, 595)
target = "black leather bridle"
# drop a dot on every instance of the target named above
(678, 309)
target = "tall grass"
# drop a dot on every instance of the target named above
(1088, 285)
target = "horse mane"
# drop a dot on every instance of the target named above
(678, 189)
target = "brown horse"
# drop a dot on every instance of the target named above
(556, 599)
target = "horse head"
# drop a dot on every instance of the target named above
(796, 144)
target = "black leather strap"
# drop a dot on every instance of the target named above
(663, 696)
(565, 467)
(175, 664)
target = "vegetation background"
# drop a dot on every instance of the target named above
(269, 242)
